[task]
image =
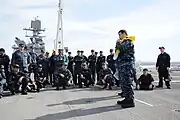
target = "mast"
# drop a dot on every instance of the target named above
(36, 39)
(59, 35)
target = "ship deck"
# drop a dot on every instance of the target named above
(92, 104)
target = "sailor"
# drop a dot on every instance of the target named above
(26, 59)
(111, 65)
(46, 67)
(70, 64)
(100, 60)
(85, 76)
(163, 66)
(125, 65)
(92, 64)
(59, 60)
(63, 77)
(2, 80)
(77, 67)
(111, 61)
(40, 78)
(33, 63)
(52, 67)
(4, 60)
(41, 60)
(106, 76)
(145, 81)
(17, 57)
(33, 55)
(96, 54)
(17, 80)
(85, 59)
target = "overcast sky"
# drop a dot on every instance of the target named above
(93, 24)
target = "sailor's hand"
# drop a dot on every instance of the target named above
(82, 76)
(168, 68)
(105, 77)
(103, 81)
(61, 75)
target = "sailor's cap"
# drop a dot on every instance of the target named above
(21, 45)
(161, 47)
(15, 66)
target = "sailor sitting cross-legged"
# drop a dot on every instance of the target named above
(145, 81)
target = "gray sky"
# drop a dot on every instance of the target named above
(93, 24)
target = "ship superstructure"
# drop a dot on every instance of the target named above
(36, 40)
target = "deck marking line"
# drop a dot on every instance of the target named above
(144, 102)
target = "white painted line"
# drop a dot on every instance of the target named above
(144, 102)
(173, 81)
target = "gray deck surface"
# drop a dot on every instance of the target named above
(92, 104)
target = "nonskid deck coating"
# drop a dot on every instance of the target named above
(91, 104)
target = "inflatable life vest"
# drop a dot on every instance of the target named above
(132, 38)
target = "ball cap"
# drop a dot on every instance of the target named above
(161, 47)
(92, 50)
(145, 69)
(15, 66)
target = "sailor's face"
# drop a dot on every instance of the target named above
(145, 73)
(64, 67)
(162, 50)
(15, 69)
(21, 48)
(2, 70)
(104, 66)
(122, 35)
(60, 52)
(1, 53)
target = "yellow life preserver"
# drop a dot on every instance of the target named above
(132, 38)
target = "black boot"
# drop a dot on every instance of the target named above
(110, 88)
(121, 94)
(38, 90)
(57, 88)
(0, 96)
(105, 86)
(159, 86)
(23, 93)
(64, 87)
(126, 103)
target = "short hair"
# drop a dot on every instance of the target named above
(123, 31)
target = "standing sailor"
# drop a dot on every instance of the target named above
(92, 64)
(26, 59)
(70, 64)
(125, 65)
(4, 60)
(17, 57)
(163, 65)
(85, 59)
(78, 61)
(52, 67)
(100, 60)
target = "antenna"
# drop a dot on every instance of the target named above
(59, 35)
